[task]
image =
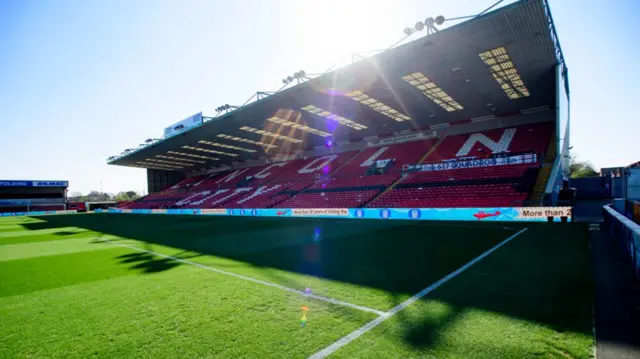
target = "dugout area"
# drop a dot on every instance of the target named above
(174, 286)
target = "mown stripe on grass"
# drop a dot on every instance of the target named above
(41, 249)
(253, 280)
(12, 228)
(49, 238)
(58, 231)
(181, 313)
(35, 274)
(18, 220)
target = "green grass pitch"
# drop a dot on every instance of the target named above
(132, 286)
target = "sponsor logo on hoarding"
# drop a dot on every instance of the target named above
(158, 211)
(482, 214)
(126, 210)
(543, 212)
(415, 213)
(537, 214)
(320, 212)
(473, 163)
(213, 211)
(14, 184)
(34, 183)
(36, 213)
(50, 183)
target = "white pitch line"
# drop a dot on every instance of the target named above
(374, 323)
(268, 284)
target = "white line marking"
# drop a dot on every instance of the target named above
(374, 323)
(268, 284)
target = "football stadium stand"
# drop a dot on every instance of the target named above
(484, 123)
(32, 196)
(483, 169)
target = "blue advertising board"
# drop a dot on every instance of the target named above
(36, 213)
(6, 183)
(503, 214)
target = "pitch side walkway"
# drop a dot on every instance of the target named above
(617, 300)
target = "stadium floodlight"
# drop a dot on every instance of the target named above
(429, 23)
(432, 91)
(218, 144)
(209, 151)
(245, 140)
(333, 117)
(505, 72)
(378, 106)
(270, 134)
(298, 76)
(193, 155)
(226, 108)
(298, 126)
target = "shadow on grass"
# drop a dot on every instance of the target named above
(147, 263)
(543, 276)
(67, 233)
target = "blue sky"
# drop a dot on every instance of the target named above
(83, 80)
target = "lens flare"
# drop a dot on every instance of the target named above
(303, 320)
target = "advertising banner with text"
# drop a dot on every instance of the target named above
(500, 214)
(36, 213)
(4, 183)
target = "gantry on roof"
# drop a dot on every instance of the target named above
(503, 61)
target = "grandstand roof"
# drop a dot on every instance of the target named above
(501, 62)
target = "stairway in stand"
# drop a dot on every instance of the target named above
(543, 175)
(391, 186)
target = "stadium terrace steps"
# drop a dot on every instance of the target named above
(541, 184)
(545, 171)
(399, 179)
(522, 139)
